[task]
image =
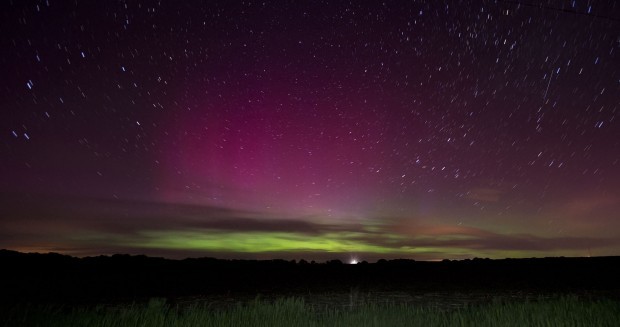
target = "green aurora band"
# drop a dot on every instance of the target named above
(257, 242)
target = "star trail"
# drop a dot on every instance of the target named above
(311, 129)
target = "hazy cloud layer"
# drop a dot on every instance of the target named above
(90, 226)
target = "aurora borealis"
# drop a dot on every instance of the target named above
(311, 129)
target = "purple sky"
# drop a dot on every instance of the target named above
(311, 129)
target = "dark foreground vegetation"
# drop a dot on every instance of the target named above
(123, 290)
(291, 312)
(50, 278)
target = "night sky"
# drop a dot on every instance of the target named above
(311, 129)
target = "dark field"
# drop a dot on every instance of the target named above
(556, 311)
(56, 290)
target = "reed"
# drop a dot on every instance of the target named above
(561, 311)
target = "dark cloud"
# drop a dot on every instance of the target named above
(29, 214)
(50, 224)
(497, 242)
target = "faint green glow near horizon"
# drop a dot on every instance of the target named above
(210, 240)
(256, 242)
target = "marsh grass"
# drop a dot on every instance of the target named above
(561, 311)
